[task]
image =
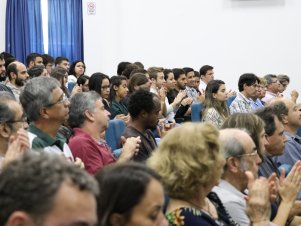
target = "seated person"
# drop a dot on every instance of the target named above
(89, 120)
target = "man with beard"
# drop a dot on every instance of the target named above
(3, 75)
(144, 108)
(17, 75)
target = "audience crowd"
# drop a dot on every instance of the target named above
(240, 164)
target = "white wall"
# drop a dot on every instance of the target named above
(2, 24)
(235, 36)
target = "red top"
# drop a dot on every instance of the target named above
(94, 155)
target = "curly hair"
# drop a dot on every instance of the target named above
(211, 102)
(188, 159)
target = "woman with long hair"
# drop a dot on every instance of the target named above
(118, 91)
(100, 83)
(130, 194)
(215, 107)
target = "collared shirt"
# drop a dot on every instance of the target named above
(191, 92)
(268, 166)
(40, 140)
(257, 104)
(240, 104)
(94, 155)
(202, 86)
(234, 202)
(16, 90)
(268, 96)
(292, 150)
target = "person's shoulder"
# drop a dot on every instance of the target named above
(186, 216)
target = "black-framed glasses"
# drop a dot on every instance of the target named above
(62, 100)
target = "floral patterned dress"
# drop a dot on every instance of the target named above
(188, 216)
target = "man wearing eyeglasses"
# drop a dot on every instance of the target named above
(247, 86)
(47, 109)
(273, 86)
(241, 155)
(14, 139)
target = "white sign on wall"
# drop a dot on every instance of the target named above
(91, 7)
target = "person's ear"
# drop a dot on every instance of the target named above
(233, 164)
(5, 131)
(214, 95)
(44, 113)
(89, 116)
(117, 219)
(19, 218)
(115, 87)
(13, 75)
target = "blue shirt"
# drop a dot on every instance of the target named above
(292, 150)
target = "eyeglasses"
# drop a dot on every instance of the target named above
(252, 154)
(22, 119)
(62, 100)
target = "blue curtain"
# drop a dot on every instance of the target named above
(65, 29)
(23, 30)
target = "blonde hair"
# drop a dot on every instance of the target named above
(188, 159)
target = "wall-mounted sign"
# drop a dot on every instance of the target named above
(91, 7)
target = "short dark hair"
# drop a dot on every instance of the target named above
(248, 79)
(8, 61)
(7, 55)
(204, 69)
(121, 66)
(82, 80)
(187, 69)
(2, 56)
(166, 73)
(60, 59)
(139, 64)
(31, 183)
(268, 116)
(177, 72)
(128, 70)
(95, 81)
(47, 59)
(139, 101)
(122, 187)
(197, 74)
(31, 57)
(36, 71)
